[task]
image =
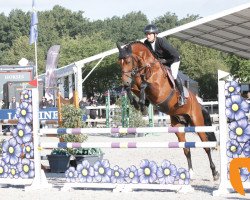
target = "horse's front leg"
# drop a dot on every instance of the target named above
(142, 93)
(132, 98)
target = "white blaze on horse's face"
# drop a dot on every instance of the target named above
(127, 67)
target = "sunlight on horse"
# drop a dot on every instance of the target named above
(148, 79)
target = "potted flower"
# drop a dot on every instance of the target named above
(72, 118)
(90, 154)
(59, 160)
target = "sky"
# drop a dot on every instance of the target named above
(102, 9)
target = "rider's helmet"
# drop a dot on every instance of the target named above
(151, 28)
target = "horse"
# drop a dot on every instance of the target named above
(148, 79)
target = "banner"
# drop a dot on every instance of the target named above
(50, 77)
(33, 25)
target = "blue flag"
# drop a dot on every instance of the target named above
(33, 25)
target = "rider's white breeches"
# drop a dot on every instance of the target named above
(175, 68)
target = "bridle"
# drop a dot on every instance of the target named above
(136, 70)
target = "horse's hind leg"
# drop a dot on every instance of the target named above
(215, 173)
(181, 138)
(204, 138)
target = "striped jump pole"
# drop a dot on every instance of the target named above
(49, 145)
(112, 131)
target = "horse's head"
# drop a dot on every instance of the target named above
(132, 60)
(127, 63)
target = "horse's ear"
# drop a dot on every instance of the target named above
(118, 45)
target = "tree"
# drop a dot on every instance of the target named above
(75, 49)
(22, 49)
(239, 67)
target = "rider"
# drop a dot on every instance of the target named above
(168, 55)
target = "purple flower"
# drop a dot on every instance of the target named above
(28, 150)
(102, 171)
(24, 113)
(147, 171)
(233, 149)
(22, 133)
(11, 151)
(71, 174)
(166, 173)
(85, 172)
(246, 149)
(13, 171)
(236, 107)
(232, 87)
(244, 174)
(183, 176)
(26, 168)
(26, 96)
(117, 175)
(3, 169)
(131, 175)
(240, 130)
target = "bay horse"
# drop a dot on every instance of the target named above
(148, 79)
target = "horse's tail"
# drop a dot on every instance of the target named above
(208, 122)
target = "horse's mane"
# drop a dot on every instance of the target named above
(139, 42)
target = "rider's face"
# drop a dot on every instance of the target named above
(150, 37)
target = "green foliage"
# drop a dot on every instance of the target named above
(135, 116)
(239, 67)
(72, 117)
(21, 49)
(87, 151)
(74, 138)
(74, 49)
(59, 151)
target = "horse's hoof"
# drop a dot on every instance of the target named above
(216, 176)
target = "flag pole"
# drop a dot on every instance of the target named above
(36, 65)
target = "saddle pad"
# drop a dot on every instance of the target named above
(186, 93)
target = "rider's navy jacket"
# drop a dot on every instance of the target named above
(164, 50)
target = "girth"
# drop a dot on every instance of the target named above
(163, 106)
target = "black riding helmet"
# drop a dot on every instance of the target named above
(151, 28)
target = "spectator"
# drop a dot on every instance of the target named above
(93, 112)
(90, 100)
(1, 104)
(50, 103)
(83, 103)
(43, 104)
(13, 104)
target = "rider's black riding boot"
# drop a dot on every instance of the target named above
(179, 86)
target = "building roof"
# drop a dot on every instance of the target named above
(228, 31)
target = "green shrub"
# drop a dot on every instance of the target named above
(135, 116)
(72, 118)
